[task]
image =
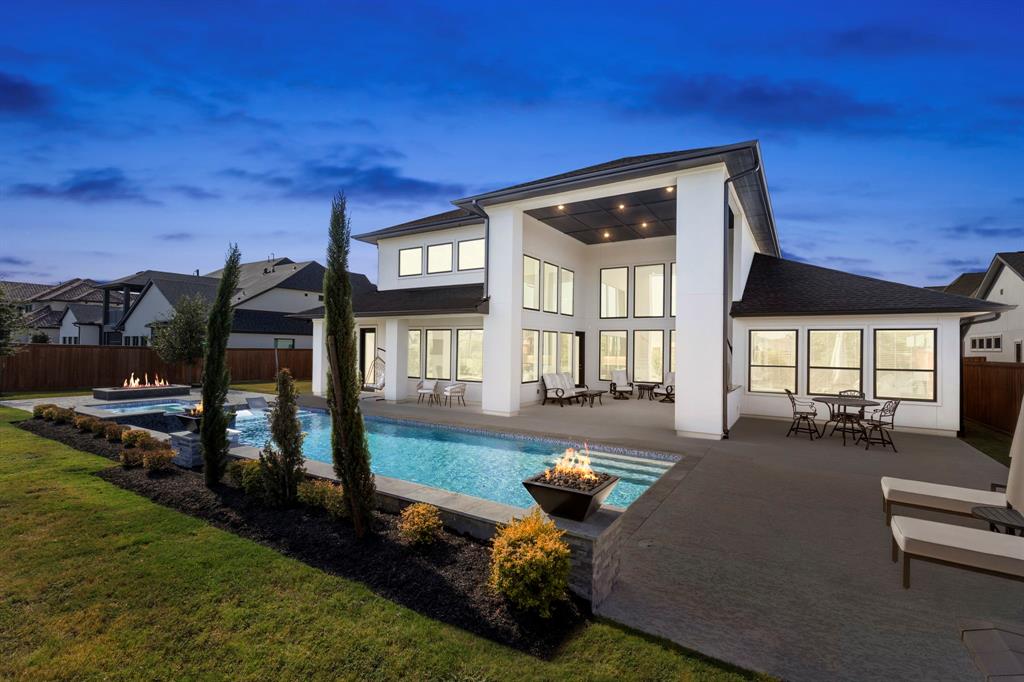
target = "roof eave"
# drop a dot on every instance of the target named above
(877, 311)
(376, 235)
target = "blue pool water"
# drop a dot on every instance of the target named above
(481, 465)
(137, 407)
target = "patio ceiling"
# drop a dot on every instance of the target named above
(636, 215)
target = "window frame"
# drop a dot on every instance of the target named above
(796, 361)
(457, 333)
(637, 288)
(458, 254)
(559, 359)
(426, 344)
(860, 367)
(400, 252)
(632, 356)
(561, 290)
(602, 332)
(672, 349)
(934, 370)
(537, 353)
(420, 354)
(672, 290)
(451, 258)
(283, 338)
(544, 287)
(544, 335)
(600, 292)
(522, 283)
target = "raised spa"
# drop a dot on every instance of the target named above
(490, 466)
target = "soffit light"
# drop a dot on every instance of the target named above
(561, 207)
(669, 189)
(607, 234)
(622, 206)
(643, 224)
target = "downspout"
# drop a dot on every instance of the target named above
(965, 326)
(726, 303)
(475, 208)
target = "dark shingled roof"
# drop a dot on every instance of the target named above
(780, 287)
(965, 285)
(20, 292)
(142, 278)
(461, 298)
(269, 322)
(259, 277)
(456, 218)
(1013, 260)
(90, 314)
(44, 318)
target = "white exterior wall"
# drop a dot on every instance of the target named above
(1008, 288)
(320, 363)
(68, 328)
(89, 335)
(283, 300)
(240, 340)
(941, 417)
(152, 307)
(387, 259)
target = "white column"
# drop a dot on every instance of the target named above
(396, 359)
(319, 359)
(504, 321)
(700, 289)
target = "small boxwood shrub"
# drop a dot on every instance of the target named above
(50, 413)
(99, 427)
(157, 459)
(246, 474)
(135, 438)
(530, 563)
(114, 431)
(420, 523)
(130, 457)
(84, 422)
(62, 415)
(39, 411)
(324, 495)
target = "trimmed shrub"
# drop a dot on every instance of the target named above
(158, 459)
(114, 431)
(50, 413)
(38, 412)
(130, 457)
(99, 427)
(246, 474)
(324, 495)
(135, 438)
(62, 415)
(84, 422)
(530, 563)
(420, 523)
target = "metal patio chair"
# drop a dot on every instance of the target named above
(878, 426)
(804, 415)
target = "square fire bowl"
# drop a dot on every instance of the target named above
(569, 503)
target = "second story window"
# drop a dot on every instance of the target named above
(410, 262)
(531, 283)
(649, 290)
(614, 290)
(550, 288)
(439, 258)
(471, 254)
(568, 278)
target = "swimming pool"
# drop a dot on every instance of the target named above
(485, 465)
(152, 406)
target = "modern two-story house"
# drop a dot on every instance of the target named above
(649, 264)
(1000, 339)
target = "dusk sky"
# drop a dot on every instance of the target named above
(150, 135)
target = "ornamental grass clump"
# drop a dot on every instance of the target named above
(114, 431)
(39, 411)
(420, 524)
(530, 563)
(324, 495)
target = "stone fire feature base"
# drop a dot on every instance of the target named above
(140, 393)
(189, 447)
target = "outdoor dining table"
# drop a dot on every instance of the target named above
(843, 404)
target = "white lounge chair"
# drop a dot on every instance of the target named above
(956, 500)
(621, 387)
(427, 388)
(667, 390)
(259, 403)
(455, 393)
(970, 548)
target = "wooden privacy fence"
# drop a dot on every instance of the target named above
(51, 367)
(993, 393)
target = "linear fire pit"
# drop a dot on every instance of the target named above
(571, 490)
(140, 392)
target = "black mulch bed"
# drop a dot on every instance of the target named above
(446, 581)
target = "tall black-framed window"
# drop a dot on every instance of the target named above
(414, 368)
(672, 292)
(905, 364)
(531, 283)
(566, 285)
(614, 296)
(649, 290)
(530, 354)
(410, 262)
(649, 355)
(549, 352)
(439, 354)
(834, 361)
(612, 353)
(469, 355)
(549, 290)
(772, 360)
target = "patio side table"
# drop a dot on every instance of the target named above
(645, 389)
(1010, 519)
(587, 397)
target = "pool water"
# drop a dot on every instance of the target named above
(470, 463)
(137, 407)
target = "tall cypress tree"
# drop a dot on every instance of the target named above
(216, 376)
(349, 450)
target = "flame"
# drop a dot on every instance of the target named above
(573, 462)
(135, 382)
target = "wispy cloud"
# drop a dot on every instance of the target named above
(194, 192)
(22, 97)
(88, 186)
(987, 227)
(14, 260)
(176, 236)
(889, 41)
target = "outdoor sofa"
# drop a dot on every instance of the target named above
(560, 388)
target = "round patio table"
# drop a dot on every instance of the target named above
(1010, 519)
(843, 404)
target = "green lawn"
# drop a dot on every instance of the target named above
(302, 386)
(995, 444)
(28, 395)
(97, 582)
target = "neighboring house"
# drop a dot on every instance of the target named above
(44, 304)
(648, 264)
(82, 324)
(1002, 339)
(252, 327)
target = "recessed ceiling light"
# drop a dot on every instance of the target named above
(607, 234)
(622, 206)
(561, 207)
(643, 224)
(669, 189)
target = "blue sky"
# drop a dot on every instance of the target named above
(149, 135)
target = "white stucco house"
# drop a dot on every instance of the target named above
(268, 293)
(649, 264)
(82, 324)
(1000, 339)
(43, 306)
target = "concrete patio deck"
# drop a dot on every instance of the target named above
(772, 553)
